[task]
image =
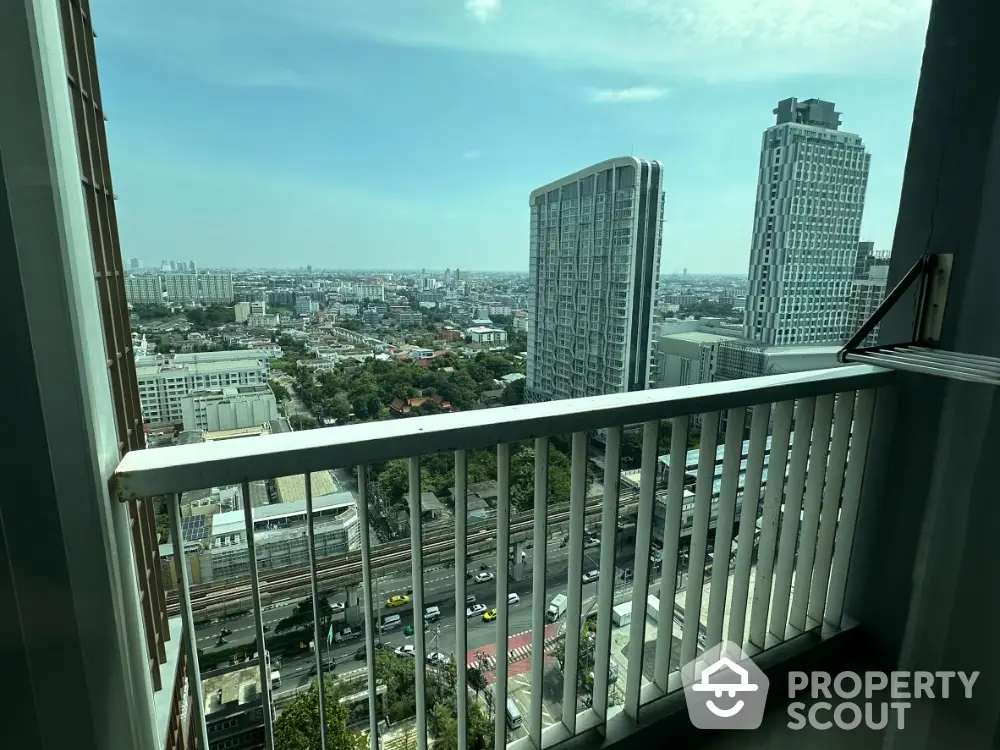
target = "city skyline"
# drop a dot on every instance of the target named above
(386, 130)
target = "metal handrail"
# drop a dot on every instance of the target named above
(191, 467)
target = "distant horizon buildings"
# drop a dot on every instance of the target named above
(594, 266)
(810, 200)
(206, 288)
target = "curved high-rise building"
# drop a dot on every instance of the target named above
(595, 247)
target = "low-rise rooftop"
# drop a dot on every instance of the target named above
(240, 686)
(292, 488)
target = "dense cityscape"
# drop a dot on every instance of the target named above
(475, 374)
(225, 354)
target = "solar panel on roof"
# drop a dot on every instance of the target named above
(193, 528)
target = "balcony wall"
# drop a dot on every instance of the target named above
(72, 622)
(927, 534)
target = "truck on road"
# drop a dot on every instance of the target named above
(556, 608)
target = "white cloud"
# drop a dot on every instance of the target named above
(472, 154)
(635, 94)
(700, 40)
(718, 41)
(482, 10)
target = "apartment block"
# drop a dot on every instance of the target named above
(867, 292)
(487, 335)
(163, 386)
(810, 199)
(234, 707)
(229, 408)
(594, 264)
(216, 288)
(686, 351)
(143, 289)
(206, 288)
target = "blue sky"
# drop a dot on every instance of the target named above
(409, 133)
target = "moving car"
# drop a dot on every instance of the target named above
(433, 614)
(490, 616)
(397, 601)
(337, 606)
(470, 599)
(360, 654)
(407, 650)
(436, 658)
(513, 598)
(475, 610)
(483, 577)
(593, 575)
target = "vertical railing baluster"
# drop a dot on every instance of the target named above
(503, 576)
(707, 451)
(760, 417)
(606, 579)
(671, 549)
(830, 510)
(574, 574)
(258, 619)
(461, 622)
(538, 553)
(640, 578)
(732, 457)
(371, 624)
(417, 574)
(769, 520)
(858, 455)
(805, 410)
(314, 589)
(187, 619)
(819, 453)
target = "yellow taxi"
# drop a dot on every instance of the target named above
(397, 601)
(490, 615)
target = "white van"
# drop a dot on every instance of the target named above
(433, 614)
(391, 622)
(513, 715)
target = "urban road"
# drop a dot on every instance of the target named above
(298, 669)
(214, 599)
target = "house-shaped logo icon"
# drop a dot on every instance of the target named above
(724, 689)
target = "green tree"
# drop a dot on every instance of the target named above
(367, 406)
(394, 480)
(444, 726)
(279, 391)
(302, 422)
(585, 657)
(522, 477)
(150, 312)
(480, 727)
(297, 728)
(513, 394)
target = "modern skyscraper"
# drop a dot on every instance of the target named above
(594, 269)
(810, 199)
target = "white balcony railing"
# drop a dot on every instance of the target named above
(786, 576)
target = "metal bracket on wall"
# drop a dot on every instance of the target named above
(933, 272)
